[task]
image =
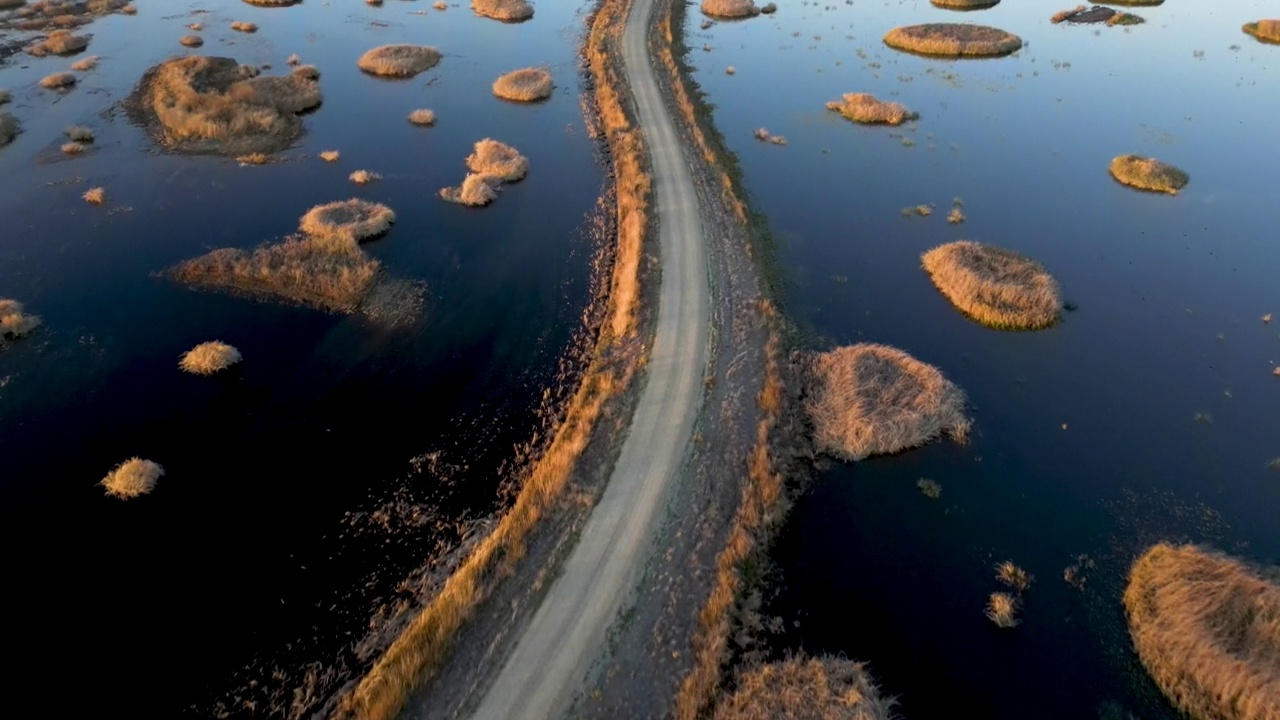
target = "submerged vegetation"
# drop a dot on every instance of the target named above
(524, 85)
(132, 478)
(929, 488)
(865, 108)
(1146, 173)
(15, 321)
(1264, 30)
(994, 286)
(953, 40)
(1206, 626)
(401, 61)
(807, 688)
(874, 399)
(208, 358)
(504, 10)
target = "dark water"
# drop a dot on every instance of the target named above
(257, 557)
(1086, 438)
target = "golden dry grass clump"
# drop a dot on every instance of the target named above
(85, 64)
(730, 8)
(59, 42)
(1207, 629)
(15, 322)
(1147, 173)
(994, 286)
(191, 41)
(244, 27)
(95, 196)
(214, 105)
(1264, 30)
(208, 358)
(965, 4)
(347, 222)
(132, 478)
(399, 60)
(8, 129)
(873, 399)
(524, 85)
(330, 155)
(1002, 609)
(58, 81)
(498, 160)
(72, 148)
(476, 190)
(504, 10)
(423, 116)
(364, 177)
(1082, 14)
(953, 40)
(865, 108)
(807, 688)
(272, 3)
(1013, 576)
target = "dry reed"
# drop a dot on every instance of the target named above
(95, 196)
(330, 155)
(953, 40)
(730, 8)
(347, 222)
(807, 688)
(244, 27)
(1013, 576)
(72, 148)
(1147, 173)
(497, 160)
(364, 177)
(85, 64)
(994, 286)
(59, 42)
(132, 478)
(504, 10)
(524, 85)
(865, 108)
(401, 61)
(1002, 609)
(208, 358)
(476, 190)
(1264, 30)
(423, 117)
(253, 159)
(15, 321)
(58, 81)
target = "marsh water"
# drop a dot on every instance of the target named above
(1149, 413)
(343, 453)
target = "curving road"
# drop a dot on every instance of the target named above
(567, 632)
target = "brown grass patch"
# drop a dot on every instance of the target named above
(307, 72)
(212, 104)
(364, 177)
(874, 399)
(15, 321)
(254, 159)
(1207, 628)
(59, 42)
(1136, 3)
(994, 286)
(1124, 19)
(58, 81)
(244, 27)
(272, 3)
(808, 688)
(498, 160)
(1147, 173)
(330, 155)
(476, 190)
(401, 61)
(1013, 576)
(347, 222)
(865, 108)
(1264, 30)
(965, 4)
(95, 196)
(191, 41)
(730, 8)
(8, 128)
(524, 85)
(85, 64)
(1002, 609)
(423, 117)
(72, 148)
(132, 478)
(208, 358)
(439, 5)
(504, 10)
(953, 40)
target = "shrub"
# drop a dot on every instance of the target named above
(85, 64)
(347, 222)
(58, 81)
(524, 85)
(59, 42)
(994, 286)
(15, 322)
(806, 688)
(953, 40)
(1264, 30)
(504, 10)
(476, 190)
(95, 196)
(498, 160)
(1206, 626)
(730, 8)
(132, 478)
(244, 27)
(330, 155)
(1013, 576)
(965, 4)
(8, 129)
(865, 108)
(401, 61)
(422, 116)
(1147, 173)
(872, 399)
(1002, 609)
(208, 358)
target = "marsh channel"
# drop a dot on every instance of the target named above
(308, 486)
(1150, 412)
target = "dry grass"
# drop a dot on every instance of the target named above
(1147, 173)
(807, 688)
(865, 108)
(364, 177)
(59, 42)
(244, 27)
(80, 133)
(191, 41)
(272, 3)
(1124, 19)
(498, 160)
(929, 488)
(965, 4)
(16, 322)
(330, 155)
(72, 148)
(504, 10)
(95, 196)
(439, 5)
(524, 85)
(347, 222)
(1207, 628)
(253, 159)
(1013, 576)
(212, 104)
(956, 216)
(476, 190)
(85, 64)
(1002, 609)
(994, 286)
(873, 399)
(307, 72)
(8, 129)
(730, 8)
(423, 117)
(132, 478)
(953, 40)
(58, 81)
(1264, 30)
(208, 358)
(400, 61)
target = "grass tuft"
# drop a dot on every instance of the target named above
(80, 133)
(191, 41)
(85, 64)
(1013, 576)
(821, 688)
(58, 81)
(330, 155)
(1147, 173)
(1206, 626)
(132, 478)
(208, 358)
(1264, 30)
(253, 159)
(1124, 18)
(401, 61)
(965, 4)
(504, 10)
(498, 160)
(364, 177)
(95, 196)
(524, 85)
(59, 42)
(730, 8)
(865, 108)
(307, 72)
(953, 40)
(347, 222)
(15, 322)
(476, 190)
(874, 399)
(423, 117)
(72, 148)
(996, 287)
(244, 27)
(273, 3)
(1002, 609)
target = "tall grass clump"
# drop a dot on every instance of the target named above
(994, 286)
(965, 4)
(730, 8)
(873, 399)
(95, 196)
(498, 160)
(1146, 173)
(208, 358)
(1264, 30)
(476, 190)
(15, 321)
(1002, 609)
(1206, 626)
(8, 128)
(423, 117)
(330, 155)
(808, 688)
(865, 108)
(1013, 576)
(400, 61)
(132, 478)
(58, 81)
(59, 42)
(524, 85)
(504, 10)
(364, 177)
(85, 64)
(953, 40)
(347, 222)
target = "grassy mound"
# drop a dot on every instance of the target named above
(730, 8)
(1083, 14)
(504, 10)
(58, 81)
(524, 85)
(1207, 628)
(132, 478)
(244, 27)
(476, 190)
(400, 61)
(423, 117)
(498, 160)
(865, 108)
(8, 129)
(15, 322)
(822, 688)
(1147, 173)
(273, 3)
(208, 358)
(59, 42)
(965, 4)
(994, 286)
(191, 41)
(347, 222)
(953, 40)
(1264, 30)
(873, 399)
(363, 177)
(85, 64)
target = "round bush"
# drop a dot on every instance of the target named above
(996, 287)
(524, 85)
(1147, 173)
(347, 221)
(208, 358)
(865, 108)
(953, 40)
(807, 688)
(400, 61)
(132, 478)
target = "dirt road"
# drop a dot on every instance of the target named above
(568, 630)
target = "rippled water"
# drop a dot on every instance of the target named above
(1149, 413)
(261, 555)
